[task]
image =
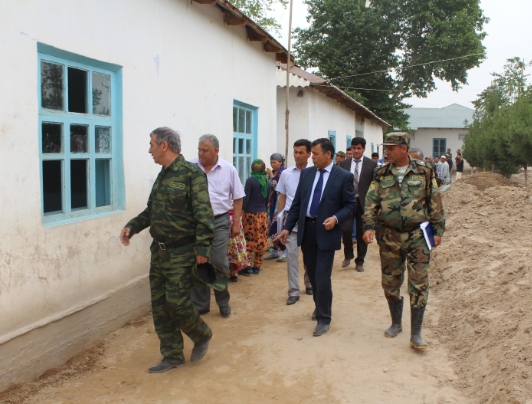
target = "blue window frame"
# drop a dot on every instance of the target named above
(372, 147)
(439, 146)
(80, 136)
(348, 142)
(332, 138)
(245, 124)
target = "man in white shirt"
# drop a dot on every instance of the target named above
(287, 187)
(224, 186)
(444, 170)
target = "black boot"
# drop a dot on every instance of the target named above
(416, 341)
(396, 310)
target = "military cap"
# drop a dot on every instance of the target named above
(211, 276)
(396, 138)
(341, 154)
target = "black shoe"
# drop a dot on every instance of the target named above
(309, 291)
(225, 311)
(165, 365)
(292, 300)
(314, 315)
(199, 350)
(246, 271)
(256, 270)
(203, 311)
(233, 278)
(321, 329)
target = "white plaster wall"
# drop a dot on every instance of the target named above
(182, 67)
(373, 134)
(327, 114)
(299, 120)
(422, 139)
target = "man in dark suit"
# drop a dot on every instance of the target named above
(324, 199)
(362, 169)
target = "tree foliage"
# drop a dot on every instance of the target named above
(392, 50)
(258, 11)
(500, 136)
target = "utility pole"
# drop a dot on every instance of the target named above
(287, 112)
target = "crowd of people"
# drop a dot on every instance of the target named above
(207, 228)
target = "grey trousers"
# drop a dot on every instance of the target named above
(201, 294)
(292, 264)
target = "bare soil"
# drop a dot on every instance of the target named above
(478, 326)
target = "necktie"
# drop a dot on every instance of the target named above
(355, 183)
(317, 195)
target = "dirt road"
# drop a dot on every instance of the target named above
(265, 352)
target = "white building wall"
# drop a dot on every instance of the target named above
(182, 67)
(313, 114)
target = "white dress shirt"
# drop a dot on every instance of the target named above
(316, 178)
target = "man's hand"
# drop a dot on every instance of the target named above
(124, 236)
(235, 228)
(437, 241)
(329, 223)
(282, 236)
(369, 236)
(200, 259)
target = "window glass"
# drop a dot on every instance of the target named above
(52, 189)
(78, 184)
(77, 90)
(103, 182)
(78, 138)
(103, 139)
(52, 137)
(101, 93)
(52, 76)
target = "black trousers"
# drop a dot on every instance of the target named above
(347, 231)
(319, 268)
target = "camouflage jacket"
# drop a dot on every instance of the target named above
(179, 208)
(404, 207)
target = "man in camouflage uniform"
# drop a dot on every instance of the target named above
(181, 223)
(406, 193)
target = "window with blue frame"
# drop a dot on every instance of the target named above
(439, 146)
(332, 138)
(79, 135)
(244, 138)
(348, 140)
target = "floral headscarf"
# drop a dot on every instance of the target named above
(258, 171)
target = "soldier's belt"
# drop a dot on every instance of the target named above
(174, 244)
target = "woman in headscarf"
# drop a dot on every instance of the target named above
(277, 161)
(254, 215)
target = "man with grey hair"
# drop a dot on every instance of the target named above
(224, 187)
(180, 219)
(415, 153)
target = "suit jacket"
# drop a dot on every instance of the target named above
(365, 177)
(338, 199)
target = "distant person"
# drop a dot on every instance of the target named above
(375, 157)
(287, 187)
(449, 158)
(180, 218)
(277, 162)
(444, 172)
(348, 153)
(324, 200)
(459, 166)
(402, 245)
(340, 156)
(362, 169)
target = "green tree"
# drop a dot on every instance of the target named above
(392, 50)
(258, 11)
(501, 135)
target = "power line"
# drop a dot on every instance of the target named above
(407, 67)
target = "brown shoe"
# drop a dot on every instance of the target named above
(345, 263)
(360, 268)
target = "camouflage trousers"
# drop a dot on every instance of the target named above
(171, 282)
(399, 251)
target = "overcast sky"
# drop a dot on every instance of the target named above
(508, 36)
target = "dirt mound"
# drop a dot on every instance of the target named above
(488, 180)
(482, 279)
